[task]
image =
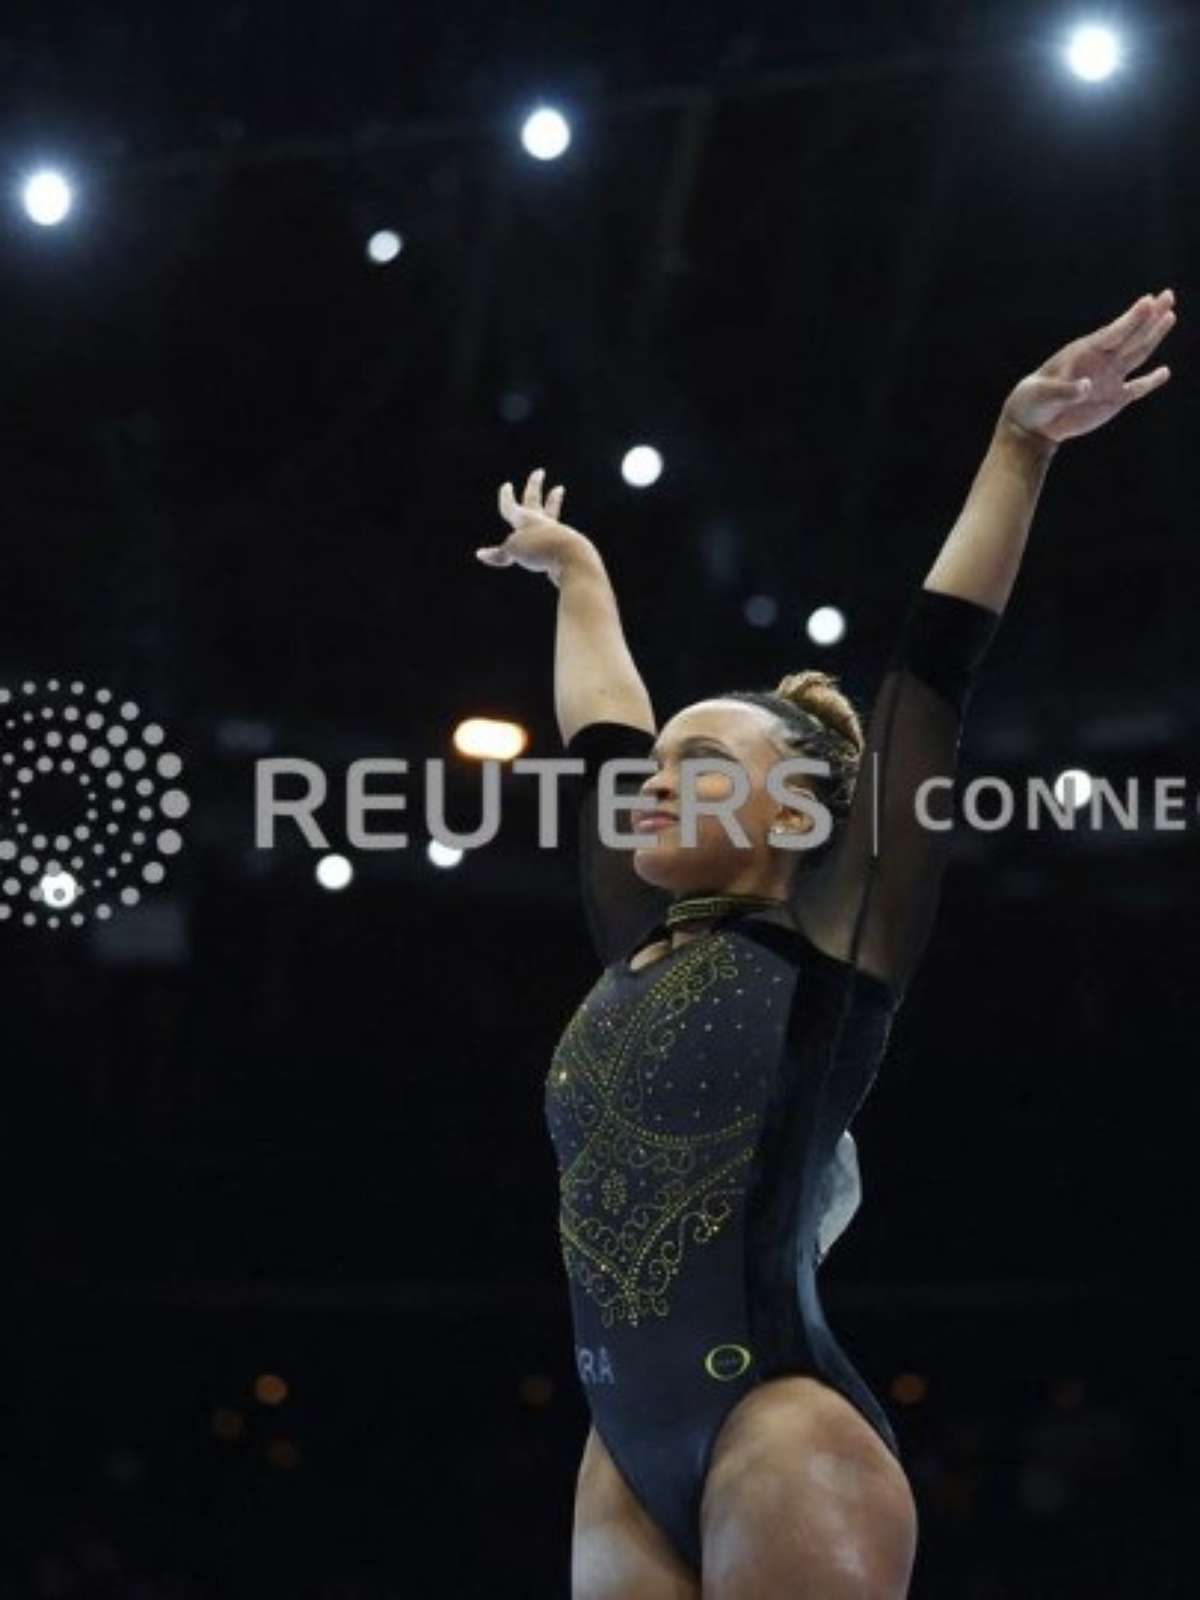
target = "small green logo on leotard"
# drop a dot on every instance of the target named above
(727, 1361)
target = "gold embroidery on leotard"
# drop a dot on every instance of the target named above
(633, 1196)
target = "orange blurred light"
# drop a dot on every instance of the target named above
(227, 1424)
(283, 1453)
(536, 1390)
(490, 739)
(1068, 1394)
(269, 1389)
(908, 1388)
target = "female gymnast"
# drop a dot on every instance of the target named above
(699, 1097)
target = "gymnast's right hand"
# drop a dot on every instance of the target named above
(538, 540)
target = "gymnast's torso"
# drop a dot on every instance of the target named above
(695, 1105)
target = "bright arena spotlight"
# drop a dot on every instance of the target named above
(1093, 52)
(545, 133)
(443, 855)
(383, 246)
(1073, 788)
(825, 625)
(46, 196)
(334, 872)
(641, 466)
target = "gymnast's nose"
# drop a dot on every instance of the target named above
(658, 787)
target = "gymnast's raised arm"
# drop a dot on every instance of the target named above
(601, 703)
(595, 679)
(875, 899)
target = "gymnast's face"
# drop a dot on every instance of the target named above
(732, 731)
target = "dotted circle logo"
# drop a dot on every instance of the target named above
(123, 801)
(727, 1361)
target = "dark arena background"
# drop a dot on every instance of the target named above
(286, 296)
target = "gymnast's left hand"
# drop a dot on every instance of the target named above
(1084, 385)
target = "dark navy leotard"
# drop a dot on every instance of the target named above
(696, 1104)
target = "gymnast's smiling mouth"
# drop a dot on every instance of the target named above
(654, 821)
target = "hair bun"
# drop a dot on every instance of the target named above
(818, 693)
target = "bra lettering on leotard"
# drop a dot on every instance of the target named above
(594, 1365)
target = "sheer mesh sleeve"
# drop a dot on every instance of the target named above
(872, 901)
(619, 906)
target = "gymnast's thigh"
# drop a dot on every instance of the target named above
(803, 1499)
(618, 1551)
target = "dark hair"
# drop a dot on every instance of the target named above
(818, 721)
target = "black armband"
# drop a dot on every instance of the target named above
(598, 742)
(943, 641)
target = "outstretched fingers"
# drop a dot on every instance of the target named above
(518, 513)
(1138, 388)
(532, 498)
(1145, 340)
(1114, 334)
